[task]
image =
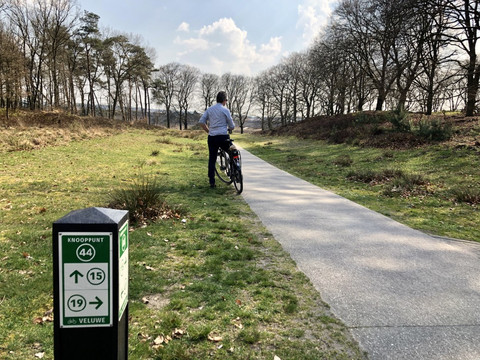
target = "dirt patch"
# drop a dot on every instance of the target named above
(156, 301)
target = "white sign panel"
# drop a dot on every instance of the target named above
(85, 279)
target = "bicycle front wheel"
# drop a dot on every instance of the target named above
(237, 178)
(222, 167)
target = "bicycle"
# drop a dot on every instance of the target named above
(228, 166)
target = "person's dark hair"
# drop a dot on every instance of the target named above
(221, 97)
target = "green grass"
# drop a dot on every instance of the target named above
(433, 189)
(212, 284)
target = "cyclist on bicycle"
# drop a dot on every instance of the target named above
(220, 122)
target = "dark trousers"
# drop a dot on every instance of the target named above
(214, 143)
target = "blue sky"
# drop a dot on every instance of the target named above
(238, 36)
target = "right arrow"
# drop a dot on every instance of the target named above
(98, 302)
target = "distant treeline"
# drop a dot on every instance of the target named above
(418, 55)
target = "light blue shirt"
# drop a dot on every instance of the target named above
(219, 118)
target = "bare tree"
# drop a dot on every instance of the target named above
(238, 88)
(413, 30)
(464, 32)
(294, 68)
(11, 71)
(332, 70)
(61, 17)
(361, 88)
(43, 28)
(435, 56)
(188, 79)
(30, 33)
(309, 83)
(409, 53)
(279, 89)
(165, 86)
(373, 28)
(62, 54)
(265, 98)
(241, 98)
(209, 84)
(261, 96)
(227, 84)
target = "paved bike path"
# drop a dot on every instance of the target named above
(403, 294)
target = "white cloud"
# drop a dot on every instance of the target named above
(223, 47)
(312, 16)
(184, 27)
(273, 47)
(191, 44)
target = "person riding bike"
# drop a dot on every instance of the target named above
(220, 122)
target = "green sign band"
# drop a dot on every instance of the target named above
(123, 269)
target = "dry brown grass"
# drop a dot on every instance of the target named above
(373, 129)
(28, 130)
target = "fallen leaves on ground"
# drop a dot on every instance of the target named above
(47, 317)
(237, 323)
(161, 340)
(214, 337)
(178, 333)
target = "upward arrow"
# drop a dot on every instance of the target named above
(76, 273)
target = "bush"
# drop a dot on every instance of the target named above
(399, 120)
(434, 129)
(343, 160)
(143, 200)
(338, 134)
(365, 176)
(370, 176)
(388, 174)
(364, 118)
(405, 185)
(397, 181)
(467, 195)
(369, 117)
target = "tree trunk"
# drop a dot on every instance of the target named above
(168, 116)
(472, 86)
(402, 100)
(380, 101)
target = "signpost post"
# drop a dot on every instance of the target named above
(90, 253)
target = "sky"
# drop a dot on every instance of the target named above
(236, 36)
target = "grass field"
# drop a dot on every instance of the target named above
(207, 282)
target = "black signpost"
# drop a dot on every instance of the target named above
(90, 276)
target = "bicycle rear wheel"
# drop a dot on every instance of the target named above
(237, 176)
(223, 167)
